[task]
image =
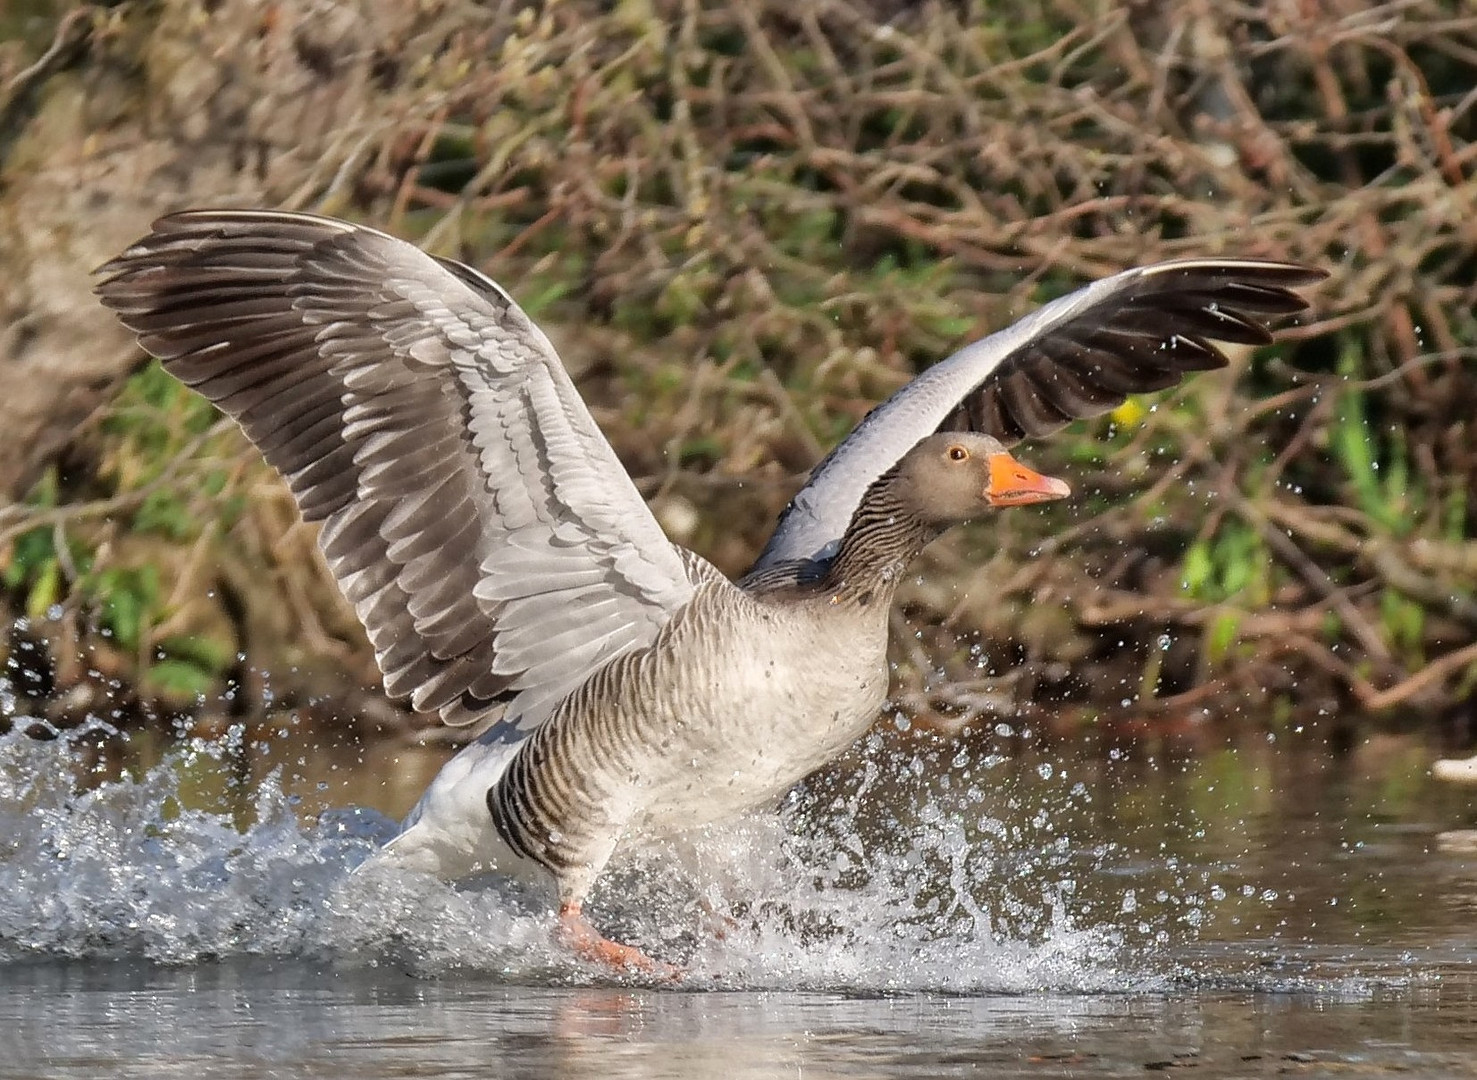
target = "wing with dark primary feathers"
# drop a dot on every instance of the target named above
(485, 532)
(1078, 356)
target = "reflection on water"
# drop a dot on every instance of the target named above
(261, 1019)
(924, 910)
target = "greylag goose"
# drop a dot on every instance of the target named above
(511, 578)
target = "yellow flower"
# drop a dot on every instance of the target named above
(1130, 414)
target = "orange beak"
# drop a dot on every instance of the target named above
(1012, 484)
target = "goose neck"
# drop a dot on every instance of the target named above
(882, 540)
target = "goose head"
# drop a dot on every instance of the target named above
(945, 479)
(953, 477)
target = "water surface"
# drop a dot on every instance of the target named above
(930, 909)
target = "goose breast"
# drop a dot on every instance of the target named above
(738, 700)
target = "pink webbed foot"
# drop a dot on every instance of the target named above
(576, 933)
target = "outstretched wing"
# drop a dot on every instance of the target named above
(485, 532)
(1077, 356)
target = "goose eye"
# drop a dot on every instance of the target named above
(958, 453)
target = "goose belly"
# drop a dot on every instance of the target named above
(740, 733)
(722, 714)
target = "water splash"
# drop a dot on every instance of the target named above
(819, 896)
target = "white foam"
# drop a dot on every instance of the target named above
(801, 900)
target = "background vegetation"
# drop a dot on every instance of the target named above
(744, 222)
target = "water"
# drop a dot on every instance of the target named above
(270, 1019)
(929, 909)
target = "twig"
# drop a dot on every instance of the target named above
(70, 42)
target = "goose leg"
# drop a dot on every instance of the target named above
(589, 944)
(718, 924)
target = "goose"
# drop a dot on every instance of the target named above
(513, 582)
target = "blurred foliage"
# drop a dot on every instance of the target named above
(745, 223)
(161, 489)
